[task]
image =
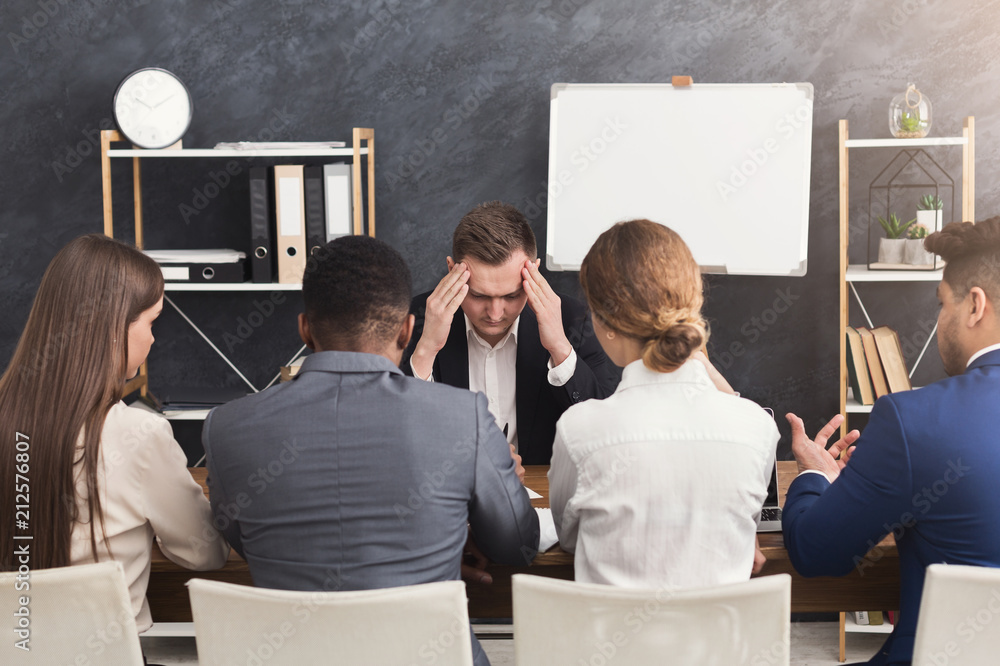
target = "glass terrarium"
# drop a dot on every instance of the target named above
(910, 114)
(907, 201)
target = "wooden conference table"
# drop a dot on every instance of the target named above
(876, 587)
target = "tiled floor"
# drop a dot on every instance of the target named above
(813, 644)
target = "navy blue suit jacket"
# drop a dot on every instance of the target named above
(539, 404)
(926, 468)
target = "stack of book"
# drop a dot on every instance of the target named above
(875, 364)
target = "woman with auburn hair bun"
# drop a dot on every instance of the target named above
(662, 483)
(105, 478)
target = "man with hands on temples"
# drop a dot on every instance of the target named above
(473, 331)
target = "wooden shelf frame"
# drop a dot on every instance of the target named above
(360, 135)
(850, 275)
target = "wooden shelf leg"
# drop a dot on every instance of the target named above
(363, 134)
(843, 636)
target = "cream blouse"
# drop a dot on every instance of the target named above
(146, 492)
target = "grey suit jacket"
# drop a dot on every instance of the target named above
(353, 476)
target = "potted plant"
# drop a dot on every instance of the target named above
(929, 212)
(891, 248)
(914, 252)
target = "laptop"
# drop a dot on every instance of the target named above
(770, 514)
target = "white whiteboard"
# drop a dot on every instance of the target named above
(724, 165)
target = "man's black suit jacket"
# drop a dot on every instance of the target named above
(539, 404)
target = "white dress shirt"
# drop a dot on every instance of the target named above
(146, 491)
(662, 483)
(493, 371)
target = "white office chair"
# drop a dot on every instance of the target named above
(417, 624)
(74, 615)
(959, 621)
(558, 621)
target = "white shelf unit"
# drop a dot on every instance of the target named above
(232, 286)
(851, 625)
(225, 152)
(853, 274)
(354, 153)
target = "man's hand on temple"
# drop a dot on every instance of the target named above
(548, 309)
(442, 305)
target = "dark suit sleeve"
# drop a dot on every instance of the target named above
(595, 375)
(220, 501)
(418, 307)
(828, 528)
(504, 524)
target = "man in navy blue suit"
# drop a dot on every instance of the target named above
(928, 464)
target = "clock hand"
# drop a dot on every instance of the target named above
(164, 101)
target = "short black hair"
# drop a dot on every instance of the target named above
(356, 291)
(972, 256)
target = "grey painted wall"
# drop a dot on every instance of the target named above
(476, 76)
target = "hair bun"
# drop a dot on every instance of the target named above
(673, 347)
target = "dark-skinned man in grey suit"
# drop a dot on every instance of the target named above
(353, 476)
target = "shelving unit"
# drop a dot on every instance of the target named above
(853, 274)
(354, 153)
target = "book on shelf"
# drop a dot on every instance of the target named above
(873, 362)
(339, 200)
(290, 220)
(891, 353)
(315, 213)
(261, 228)
(277, 145)
(857, 369)
(875, 618)
(861, 618)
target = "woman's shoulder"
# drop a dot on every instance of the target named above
(130, 430)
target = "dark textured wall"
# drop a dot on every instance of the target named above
(458, 92)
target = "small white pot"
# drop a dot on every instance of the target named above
(915, 253)
(931, 219)
(891, 250)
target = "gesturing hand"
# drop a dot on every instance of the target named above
(442, 305)
(811, 454)
(548, 309)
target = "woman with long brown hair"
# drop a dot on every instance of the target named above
(97, 480)
(660, 484)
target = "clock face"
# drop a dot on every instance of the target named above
(152, 108)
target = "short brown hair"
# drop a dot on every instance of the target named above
(641, 281)
(491, 233)
(972, 256)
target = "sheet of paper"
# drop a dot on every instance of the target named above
(532, 494)
(547, 530)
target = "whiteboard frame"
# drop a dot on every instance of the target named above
(553, 170)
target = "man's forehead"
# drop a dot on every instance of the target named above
(502, 280)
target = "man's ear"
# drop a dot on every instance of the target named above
(977, 305)
(451, 263)
(305, 333)
(405, 332)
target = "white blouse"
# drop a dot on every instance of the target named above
(146, 492)
(662, 483)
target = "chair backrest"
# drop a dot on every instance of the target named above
(959, 621)
(69, 615)
(416, 624)
(557, 621)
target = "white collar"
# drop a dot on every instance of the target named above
(470, 330)
(984, 350)
(636, 374)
